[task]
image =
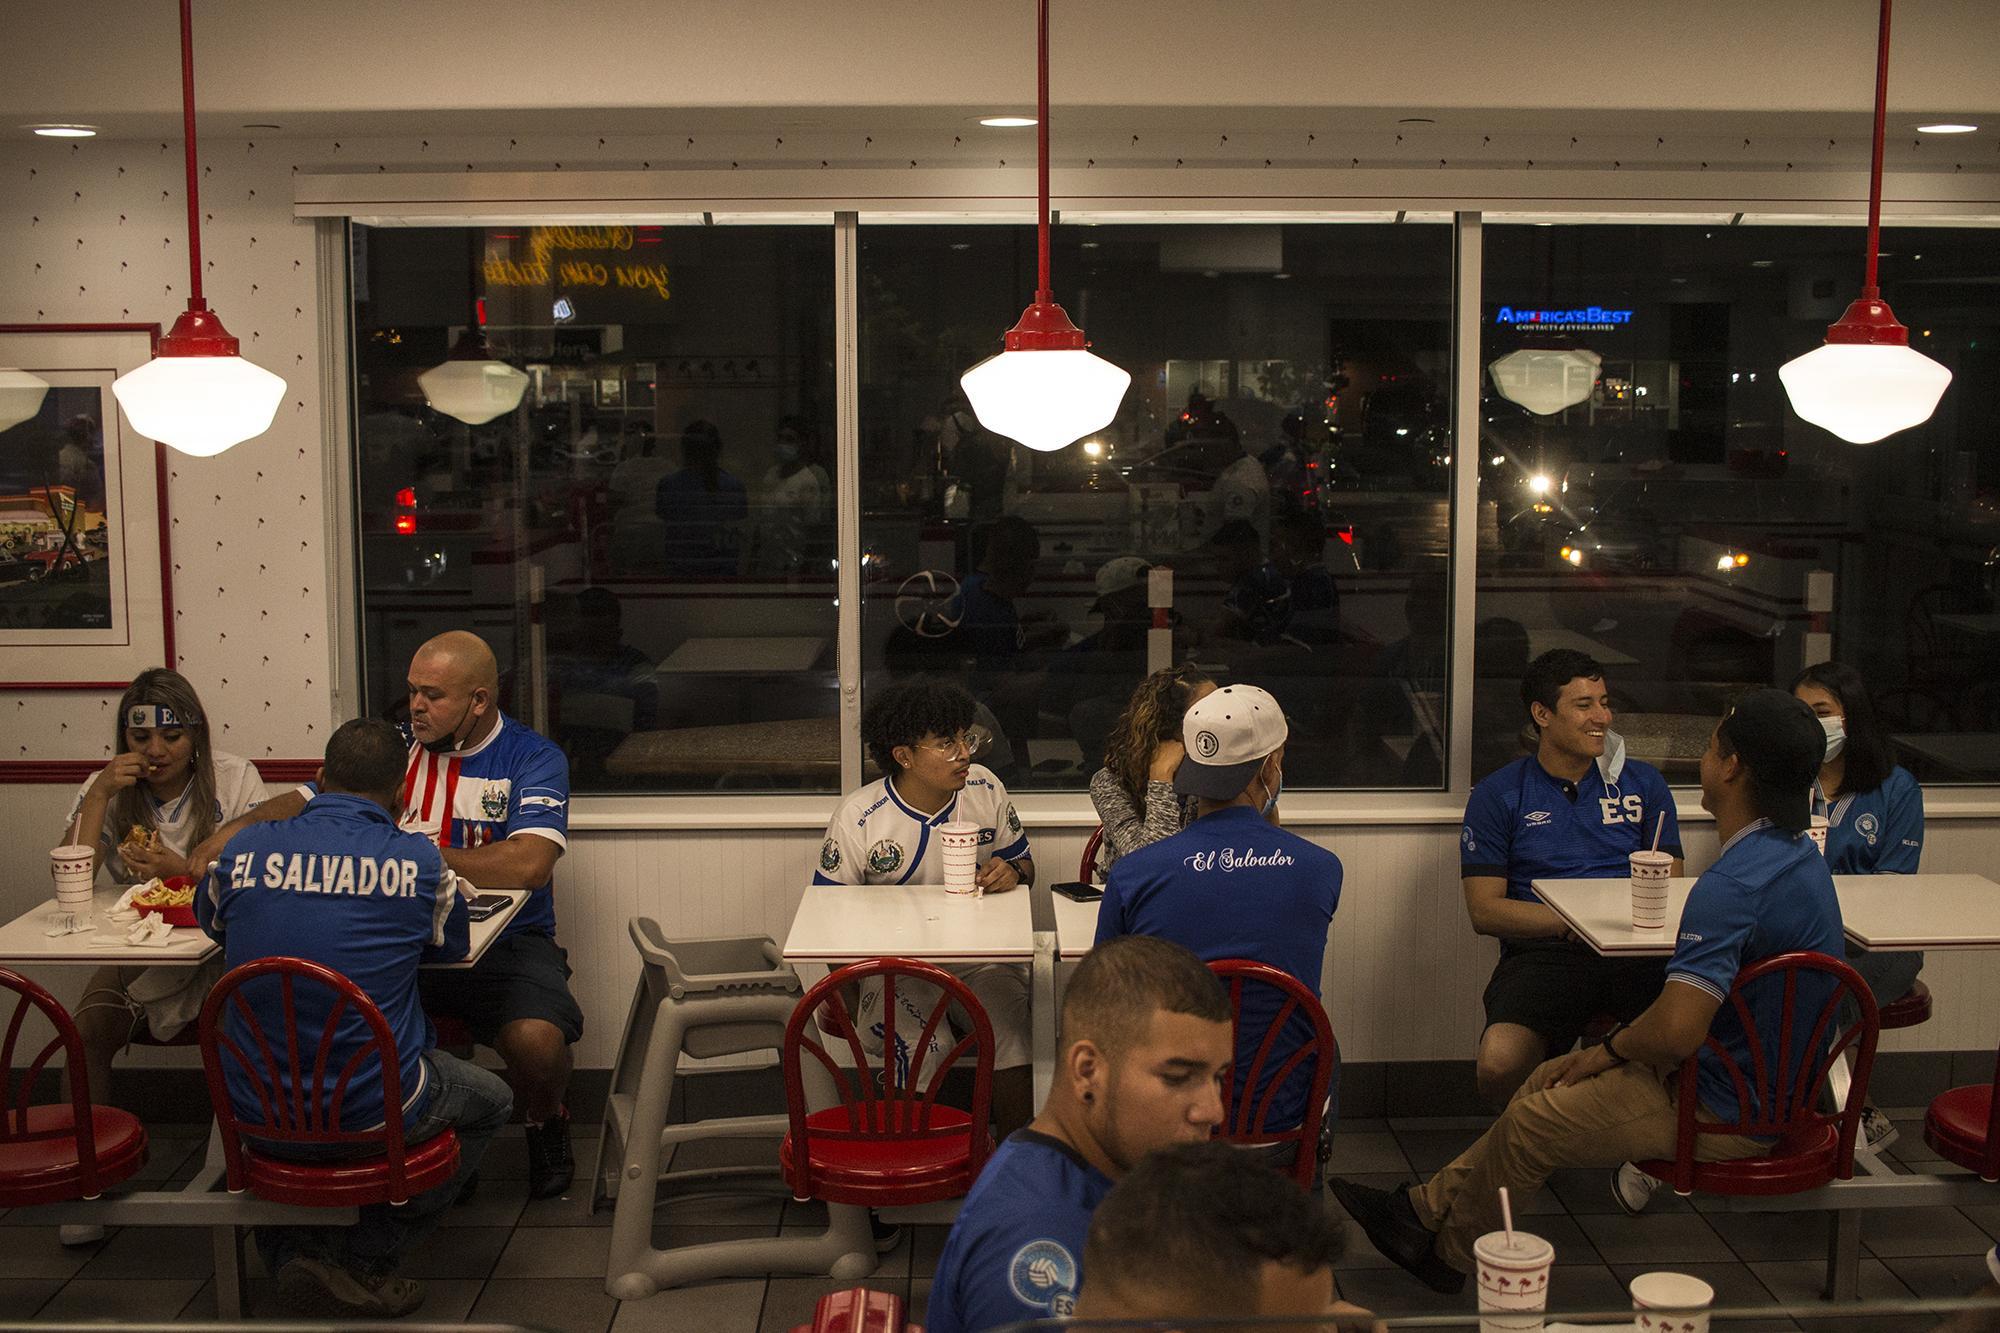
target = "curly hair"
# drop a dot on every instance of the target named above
(908, 711)
(1153, 715)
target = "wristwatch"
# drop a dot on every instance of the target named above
(1027, 875)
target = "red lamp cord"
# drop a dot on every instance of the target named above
(1869, 290)
(1044, 295)
(195, 301)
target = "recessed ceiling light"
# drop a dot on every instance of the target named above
(1007, 122)
(1281, 276)
(1762, 263)
(65, 131)
(1946, 128)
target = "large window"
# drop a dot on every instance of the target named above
(1647, 495)
(647, 539)
(1284, 448)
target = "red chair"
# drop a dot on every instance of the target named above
(1963, 1127)
(1813, 1146)
(887, 1142)
(858, 1310)
(1086, 869)
(300, 1094)
(53, 1153)
(1247, 1122)
(1908, 1011)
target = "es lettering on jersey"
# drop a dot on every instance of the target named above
(875, 838)
(1522, 823)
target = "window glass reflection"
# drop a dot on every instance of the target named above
(1284, 449)
(646, 538)
(1648, 496)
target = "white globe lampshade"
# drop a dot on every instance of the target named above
(200, 405)
(474, 392)
(1546, 380)
(1863, 392)
(1046, 399)
(21, 396)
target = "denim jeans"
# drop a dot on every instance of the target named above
(464, 1097)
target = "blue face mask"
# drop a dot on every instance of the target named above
(787, 452)
(1272, 804)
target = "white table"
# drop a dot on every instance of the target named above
(25, 941)
(735, 656)
(1547, 638)
(845, 923)
(1878, 911)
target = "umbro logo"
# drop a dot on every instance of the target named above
(1536, 818)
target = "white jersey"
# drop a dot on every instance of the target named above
(876, 839)
(238, 787)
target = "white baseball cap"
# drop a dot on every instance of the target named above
(1121, 572)
(1228, 735)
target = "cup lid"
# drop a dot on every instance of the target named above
(1527, 1250)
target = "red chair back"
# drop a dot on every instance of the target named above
(299, 1091)
(1086, 869)
(1778, 1097)
(1247, 1120)
(15, 1123)
(878, 1106)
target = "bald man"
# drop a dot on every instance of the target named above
(494, 796)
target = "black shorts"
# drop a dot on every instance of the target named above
(522, 976)
(1555, 987)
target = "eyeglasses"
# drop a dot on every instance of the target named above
(968, 744)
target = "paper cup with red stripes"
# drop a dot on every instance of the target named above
(75, 872)
(1513, 1277)
(1671, 1303)
(1816, 830)
(959, 843)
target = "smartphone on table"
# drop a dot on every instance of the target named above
(485, 905)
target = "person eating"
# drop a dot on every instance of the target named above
(165, 790)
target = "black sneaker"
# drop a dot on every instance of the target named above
(1390, 1223)
(550, 1166)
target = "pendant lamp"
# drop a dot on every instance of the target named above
(1046, 389)
(21, 396)
(470, 385)
(1867, 382)
(1546, 380)
(197, 394)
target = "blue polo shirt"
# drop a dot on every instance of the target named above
(1770, 892)
(1878, 832)
(1016, 1251)
(1524, 823)
(1230, 885)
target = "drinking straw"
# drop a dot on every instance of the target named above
(1507, 1217)
(1658, 829)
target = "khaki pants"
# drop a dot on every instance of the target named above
(1622, 1115)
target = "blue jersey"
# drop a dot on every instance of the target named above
(513, 782)
(1878, 832)
(1016, 1250)
(1770, 892)
(1230, 885)
(337, 885)
(1523, 823)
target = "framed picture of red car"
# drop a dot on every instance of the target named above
(86, 599)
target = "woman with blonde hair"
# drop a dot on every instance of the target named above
(165, 790)
(1134, 791)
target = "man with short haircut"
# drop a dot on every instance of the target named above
(1144, 1048)
(1232, 884)
(1768, 893)
(922, 737)
(339, 885)
(494, 797)
(1575, 809)
(1197, 1231)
